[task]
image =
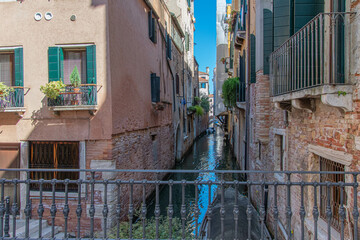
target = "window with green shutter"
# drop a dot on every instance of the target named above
(187, 42)
(62, 61)
(155, 88)
(252, 58)
(268, 39)
(55, 61)
(168, 49)
(152, 27)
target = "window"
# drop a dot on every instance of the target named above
(155, 88)
(152, 27)
(187, 42)
(168, 49)
(54, 155)
(72, 58)
(279, 152)
(11, 74)
(177, 84)
(62, 61)
(7, 68)
(335, 191)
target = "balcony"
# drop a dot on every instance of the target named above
(70, 100)
(314, 63)
(14, 102)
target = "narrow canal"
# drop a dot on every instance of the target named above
(210, 152)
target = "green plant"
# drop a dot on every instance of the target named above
(5, 90)
(53, 89)
(205, 104)
(229, 91)
(75, 77)
(137, 229)
(341, 93)
(197, 100)
(199, 111)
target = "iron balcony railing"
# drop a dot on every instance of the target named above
(114, 204)
(87, 95)
(240, 92)
(318, 54)
(14, 99)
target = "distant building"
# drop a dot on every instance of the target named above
(211, 101)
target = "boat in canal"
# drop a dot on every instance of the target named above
(228, 228)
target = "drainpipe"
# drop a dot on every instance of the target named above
(247, 121)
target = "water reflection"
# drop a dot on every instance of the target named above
(209, 153)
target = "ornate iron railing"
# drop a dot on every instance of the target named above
(87, 95)
(14, 99)
(318, 54)
(111, 203)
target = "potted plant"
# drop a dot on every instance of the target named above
(75, 79)
(5, 90)
(53, 89)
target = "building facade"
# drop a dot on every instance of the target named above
(121, 118)
(300, 109)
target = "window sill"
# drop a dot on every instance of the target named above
(17, 110)
(90, 108)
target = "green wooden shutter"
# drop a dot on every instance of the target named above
(150, 24)
(55, 58)
(155, 88)
(19, 69)
(282, 21)
(252, 58)
(91, 64)
(169, 46)
(305, 10)
(187, 42)
(268, 39)
(91, 74)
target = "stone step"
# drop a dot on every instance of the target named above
(33, 228)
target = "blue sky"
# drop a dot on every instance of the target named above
(205, 35)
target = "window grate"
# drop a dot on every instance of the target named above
(56, 155)
(335, 191)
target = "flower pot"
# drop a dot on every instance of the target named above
(77, 90)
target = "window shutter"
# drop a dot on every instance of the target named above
(268, 39)
(155, 88)
(187, 44)
(150, 24)
(282, 24)
(19, 72)
(253, 59)
(55, 59)
(169, 46)
(91, 64)
(305, 10)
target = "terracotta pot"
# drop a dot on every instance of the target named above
(76, 89)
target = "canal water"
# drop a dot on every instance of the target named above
(210, 152)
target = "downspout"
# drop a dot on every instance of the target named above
(247, 79)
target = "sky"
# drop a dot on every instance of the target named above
(205, 35)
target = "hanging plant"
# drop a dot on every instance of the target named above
(223, 60)
(229, 91)
(198, 110)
